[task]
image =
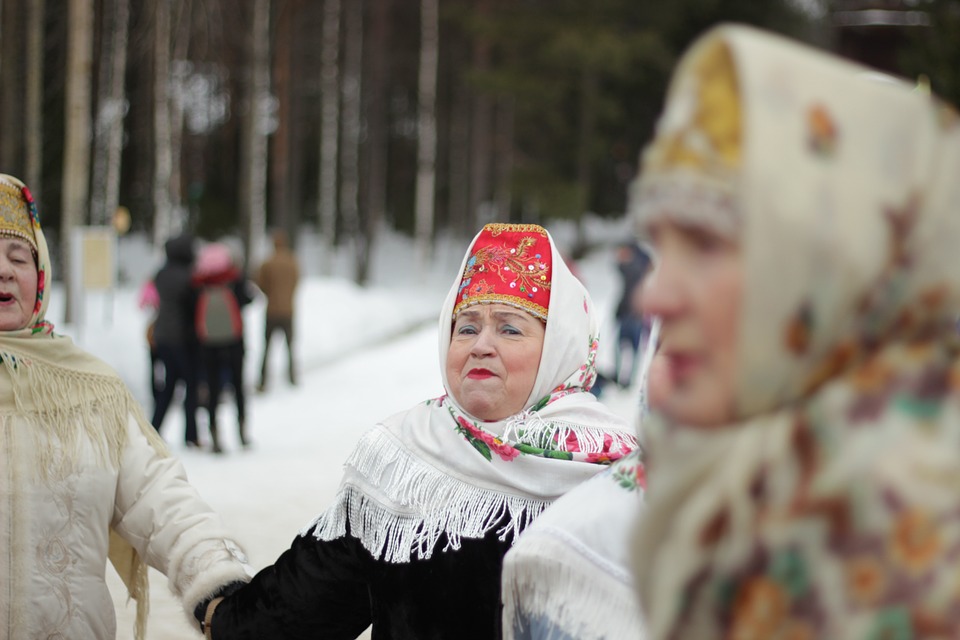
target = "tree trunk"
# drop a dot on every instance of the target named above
(253, 183)
(480, 145)
(589, 89)
(329, 128)
(459, 159)
(375, 192)
(504, 155)
(164, 224)
(33, 107)
(350, 126)
(112, 101)
(281, 147)
(76, 153)
(427, 130)
(11, 79)
(179, 73)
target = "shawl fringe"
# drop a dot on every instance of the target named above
(554, 591)
(100, 405)
(421, 504)
(531, 429)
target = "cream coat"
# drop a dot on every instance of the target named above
(54, 534)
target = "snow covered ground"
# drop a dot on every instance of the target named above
(364, 354)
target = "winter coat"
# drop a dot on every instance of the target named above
(633, 271)
(278, 278)
(453, 594)
(175, 315)
(55, 533)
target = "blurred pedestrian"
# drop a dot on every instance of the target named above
(222, 293)
(804, 479)
(633, 263)
(174, 334)
(149, 300)
(85, 478)
(278, 279)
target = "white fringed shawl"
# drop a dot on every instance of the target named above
(415, 477)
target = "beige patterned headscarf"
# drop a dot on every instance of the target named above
(829, 508)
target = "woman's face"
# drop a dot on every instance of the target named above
(493, 359)
(18, 284)
(696, 291)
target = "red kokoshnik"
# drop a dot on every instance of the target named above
(509, 264)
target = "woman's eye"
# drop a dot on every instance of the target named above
(467, 330)
(706, 241)
(511, 330)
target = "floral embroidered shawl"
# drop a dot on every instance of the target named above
(830, 508)
(436, 470)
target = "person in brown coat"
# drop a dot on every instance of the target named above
(278, 278)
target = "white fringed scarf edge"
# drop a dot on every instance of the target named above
(414, 478)
(422, 503)
(607, 609)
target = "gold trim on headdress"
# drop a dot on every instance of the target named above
(689, 169)
(14, 214)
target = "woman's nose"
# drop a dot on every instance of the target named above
(661, 295)
(484, 344)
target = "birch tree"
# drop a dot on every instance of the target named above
(253, 169)
(76, 152)
(164, 224)
(350, 125)
(111, 109)
(329, 128)
(33, 116)
(426, 130)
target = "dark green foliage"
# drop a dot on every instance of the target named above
(544, 50)
(934, 51)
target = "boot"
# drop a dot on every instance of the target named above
(214, 440)
(243, 433)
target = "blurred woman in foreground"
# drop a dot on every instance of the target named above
(805, 473)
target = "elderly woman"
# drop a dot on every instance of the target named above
(433, 497)
(83, 471)
(805, 476)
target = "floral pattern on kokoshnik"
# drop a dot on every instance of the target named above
(522, 270)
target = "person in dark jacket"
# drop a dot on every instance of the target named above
(174, 334)
(633, 263)
(432, 497)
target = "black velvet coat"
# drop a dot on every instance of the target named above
(334, 590)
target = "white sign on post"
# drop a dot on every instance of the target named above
(94, 267)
